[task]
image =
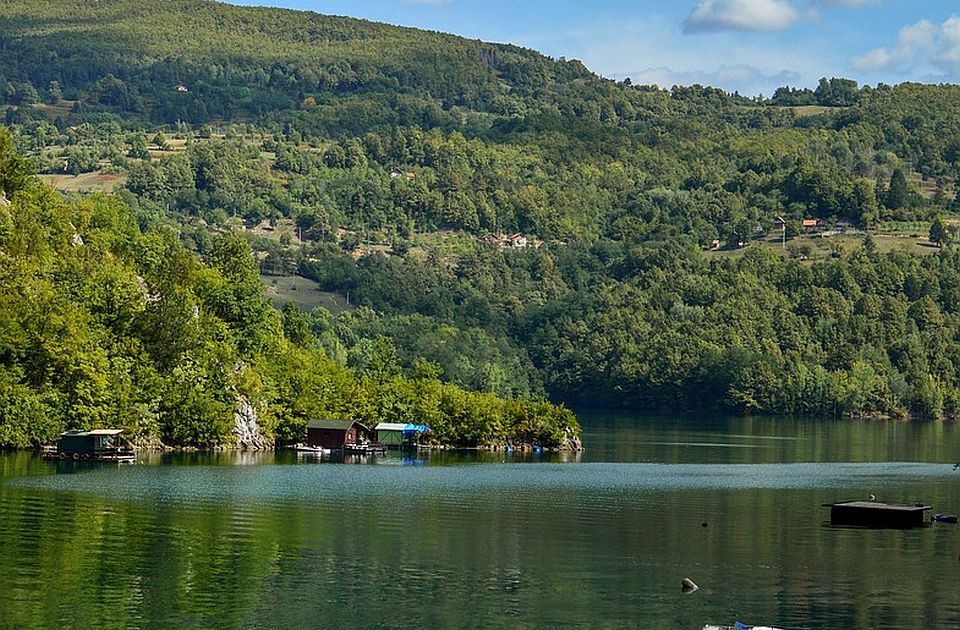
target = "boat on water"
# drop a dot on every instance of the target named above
(365, 448)
(100, 445)
(306, 449)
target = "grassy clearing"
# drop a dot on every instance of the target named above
(306, 294)
(813, 110)
(928, 187)
(60, 110)
(97, 181)
(445, 243)
(815, 247)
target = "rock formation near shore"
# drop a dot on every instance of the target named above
(247, 429)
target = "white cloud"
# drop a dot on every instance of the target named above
(759, 15)
(947, 54)
(741, 15)
(919, 44)
(847, 3)
(653, 50)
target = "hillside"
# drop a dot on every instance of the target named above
(524, 226)
(129, 56)
(105, 324)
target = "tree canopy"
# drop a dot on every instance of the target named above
(510, 223)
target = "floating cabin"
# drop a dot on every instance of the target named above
(103, 445)
(400, 435)
(874, 514)
(335, 434)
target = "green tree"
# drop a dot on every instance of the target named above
(939, 232)
(54, 93)
(897, 193)
(138, 147)
(15, 170)
(160, 141)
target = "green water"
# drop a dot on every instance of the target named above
(494, 541)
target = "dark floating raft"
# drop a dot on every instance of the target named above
(874, 514)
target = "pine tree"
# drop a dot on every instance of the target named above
(897, 193)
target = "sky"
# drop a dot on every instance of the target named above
(750, 46)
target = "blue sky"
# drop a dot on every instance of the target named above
(748, 45)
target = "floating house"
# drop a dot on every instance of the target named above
(397, 434)
(98, 444)
(335, 434)
(875, 514)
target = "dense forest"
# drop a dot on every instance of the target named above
(102, 324)
(505, 222)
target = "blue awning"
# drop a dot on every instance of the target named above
(405, 428)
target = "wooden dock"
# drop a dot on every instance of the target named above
(876, 514)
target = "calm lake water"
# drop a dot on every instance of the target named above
(495, 541)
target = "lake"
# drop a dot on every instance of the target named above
(516, 540)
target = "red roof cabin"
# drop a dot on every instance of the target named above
(335, 434)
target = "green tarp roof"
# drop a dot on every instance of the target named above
(405, 428)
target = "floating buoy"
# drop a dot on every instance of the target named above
(688, 586)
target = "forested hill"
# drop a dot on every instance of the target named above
(103, 324)
(514, 224)
(129, 56)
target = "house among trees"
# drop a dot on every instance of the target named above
(508, 241)
(182, 88)
(516, 241)
(397, 173)
(813, 225)
(779, 223)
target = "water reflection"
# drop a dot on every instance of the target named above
(451, 539)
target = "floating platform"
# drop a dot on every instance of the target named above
(122, 457)
(875, 514)
(101, 445)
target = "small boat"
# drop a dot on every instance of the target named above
(312, 450)
(364, 448)
(944, 518)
